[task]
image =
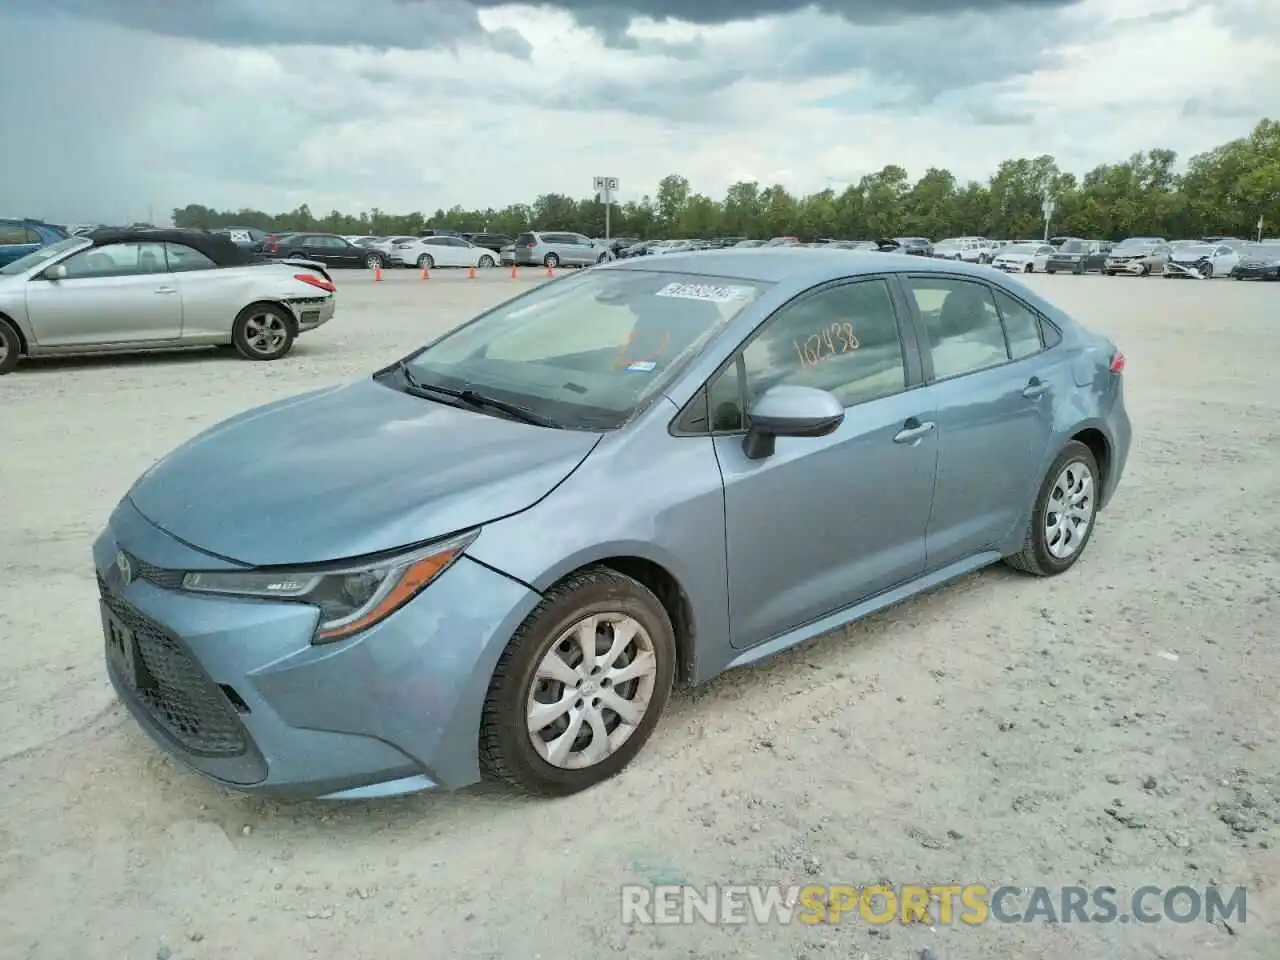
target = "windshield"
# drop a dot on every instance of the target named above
(1135, 244)
(1021, 249)
(1195, 251)
(1072, 246)
(37, 257)
(1259, 251)
(589, 351)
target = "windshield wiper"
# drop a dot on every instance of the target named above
(476, 400)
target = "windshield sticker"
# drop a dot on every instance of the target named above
(642, 366)
(702, 291)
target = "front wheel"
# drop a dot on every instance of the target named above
(604, 258)
(1063, 517)
(263, 331)
(426, 263)
(1050, 270)
(1207, 271)
(580, 687)
(1029, 268)
(10, 348)
(486, 261)
(1144, 270)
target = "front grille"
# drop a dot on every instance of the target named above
(174, 689)
(167, 579)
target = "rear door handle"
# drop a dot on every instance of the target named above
(166, 290)
(912, 434)
(1035, 388)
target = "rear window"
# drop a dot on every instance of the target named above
(526, 238)
(1072, 246)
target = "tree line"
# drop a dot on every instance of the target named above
(1221, 192)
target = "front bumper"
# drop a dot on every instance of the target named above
(1269, 272)
(1189, 271)
(1011, 266)
(235, 689)
(1135, 266)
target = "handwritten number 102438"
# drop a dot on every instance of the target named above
(837, 338)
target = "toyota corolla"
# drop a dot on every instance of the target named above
(499, 555)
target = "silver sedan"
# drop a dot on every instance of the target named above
(121, 291)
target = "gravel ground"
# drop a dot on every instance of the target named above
(1117, 725)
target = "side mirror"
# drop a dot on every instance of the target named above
(55, 273)
(789, 411)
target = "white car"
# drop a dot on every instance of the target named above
(968, 249)
(431, 252)
(1023, 257)
(1201, 261)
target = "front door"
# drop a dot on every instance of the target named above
(994, 412)
(825, 522)
(117, 293)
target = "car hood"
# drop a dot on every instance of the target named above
(1131, 252)
(348, 471)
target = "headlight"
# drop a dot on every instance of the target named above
(351, 597)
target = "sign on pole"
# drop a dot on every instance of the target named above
(1047, 209)
(606, 187)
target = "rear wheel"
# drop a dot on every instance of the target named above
(580, 687)
(10, 347)
(551, 261)
(486, 261)
(263, 331)
(375, 262)
(1050, 270)
(1063, 517)
(1029, 268)
(426, 263)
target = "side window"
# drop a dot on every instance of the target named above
(963, 325)
(182, 258)
(13, 234)
(724, 400)
(1049, 333)
(842, 339)
(117, 260)
(1021, 326)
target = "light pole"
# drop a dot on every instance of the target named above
(1047, 209)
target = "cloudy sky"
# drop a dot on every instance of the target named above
(114, 108)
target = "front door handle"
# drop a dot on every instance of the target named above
(1035, 388)
(913, 431)
(164, 291)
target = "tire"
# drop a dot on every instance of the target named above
(10, 347)
(551, 261)
(507, 750)
(1107, 273)
(263, 331)
(1029, 268)
(1050, 270)
(425, 262)
(486, 262)
(1145, 271)
(604, 258)
(1040, 555)
(374, 261)
(1207, 271)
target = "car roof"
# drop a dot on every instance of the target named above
(217, 247)
(810, 264)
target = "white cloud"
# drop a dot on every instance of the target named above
(104, 122)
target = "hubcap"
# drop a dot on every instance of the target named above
(1069, 512)
(265, 333)
(4, 349)
(591, 691)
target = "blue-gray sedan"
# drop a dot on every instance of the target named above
(500, 554)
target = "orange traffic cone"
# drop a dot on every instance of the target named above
(423, 273)
(514, 275)
(551, 271)
(377, 272)
(471, 273)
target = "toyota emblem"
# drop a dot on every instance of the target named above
(125, 568)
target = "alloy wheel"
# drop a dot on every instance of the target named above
(1068, 514)
(591, 690)
(265, 333)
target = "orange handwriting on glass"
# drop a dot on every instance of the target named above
(827, 342)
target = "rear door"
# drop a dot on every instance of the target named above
(994, 406)
(117, 293)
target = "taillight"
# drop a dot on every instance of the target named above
(1117, 362)
(327, 285)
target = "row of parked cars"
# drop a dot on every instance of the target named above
(1200, 259)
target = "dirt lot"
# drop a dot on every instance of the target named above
(1001, 730)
